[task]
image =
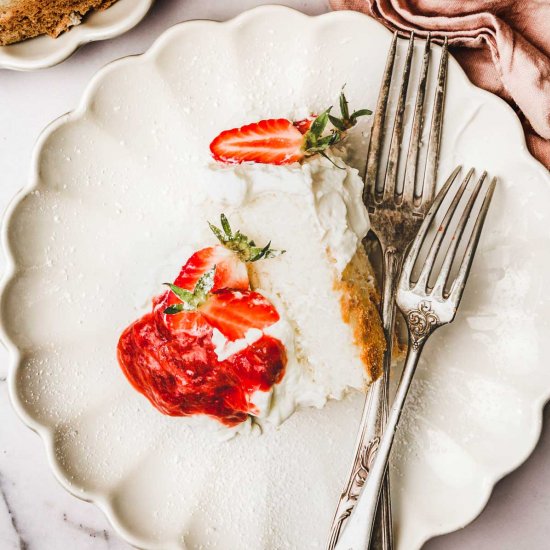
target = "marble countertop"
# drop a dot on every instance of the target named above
(35, 512)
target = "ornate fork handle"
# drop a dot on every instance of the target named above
(374, 419)
(421, 323)
(366, 448)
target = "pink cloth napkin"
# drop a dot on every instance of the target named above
(503, 45)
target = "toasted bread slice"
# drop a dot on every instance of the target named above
(22, 19)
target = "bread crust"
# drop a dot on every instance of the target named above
(29, 18)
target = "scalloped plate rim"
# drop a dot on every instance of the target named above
(102, 501)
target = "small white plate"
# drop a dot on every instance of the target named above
(44, 51)
(90, 237)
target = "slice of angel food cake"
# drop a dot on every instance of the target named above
(278, 310)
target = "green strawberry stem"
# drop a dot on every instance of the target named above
(246, 249)
(316, 142)
(190, 301)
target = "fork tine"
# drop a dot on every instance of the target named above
(439, 287)
(416, 132)
(429, 262)
(432, 158)
(377, 132)
(412, 255)
(397, 134)
(458, 285)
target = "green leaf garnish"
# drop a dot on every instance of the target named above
(204, 284)
(344, 110)
(337, 123)
(181, 293)
(219, 234)
(318, 126)
(323, 154)
(239, 243)
(317, 143)
(360, 112)
(225, 225)
(265, 252)
(176, 308)
(190, 301)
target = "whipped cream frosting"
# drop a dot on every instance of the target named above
(314, 211)
(333, 195)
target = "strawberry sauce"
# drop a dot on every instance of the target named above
(170, 359)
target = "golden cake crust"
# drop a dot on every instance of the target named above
(29, 18)
(359, 300)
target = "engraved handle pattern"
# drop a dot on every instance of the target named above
(421, 322)
(352, 490)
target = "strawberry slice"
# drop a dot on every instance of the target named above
(233, 313)
(272, 141)
(187, 322)
(208, 271)
(231, 272)
(229, 258)
(281, 141)
(305, 124)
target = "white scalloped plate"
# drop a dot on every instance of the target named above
(44, 51)
(98, 223)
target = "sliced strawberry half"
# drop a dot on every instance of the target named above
(281, 141)
(188, 322)
(232, 312)
(229, 258)
(206, 272)
(272, 141)
(231, 272)
(235, 312)
(305, 124)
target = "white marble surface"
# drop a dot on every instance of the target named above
(35, 512)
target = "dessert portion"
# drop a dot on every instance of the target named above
(22, 19)
(251, 333)
(176, 354)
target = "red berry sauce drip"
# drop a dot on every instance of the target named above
(171, 360)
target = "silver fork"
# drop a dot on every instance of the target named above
(425, 309)
(395, 219)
